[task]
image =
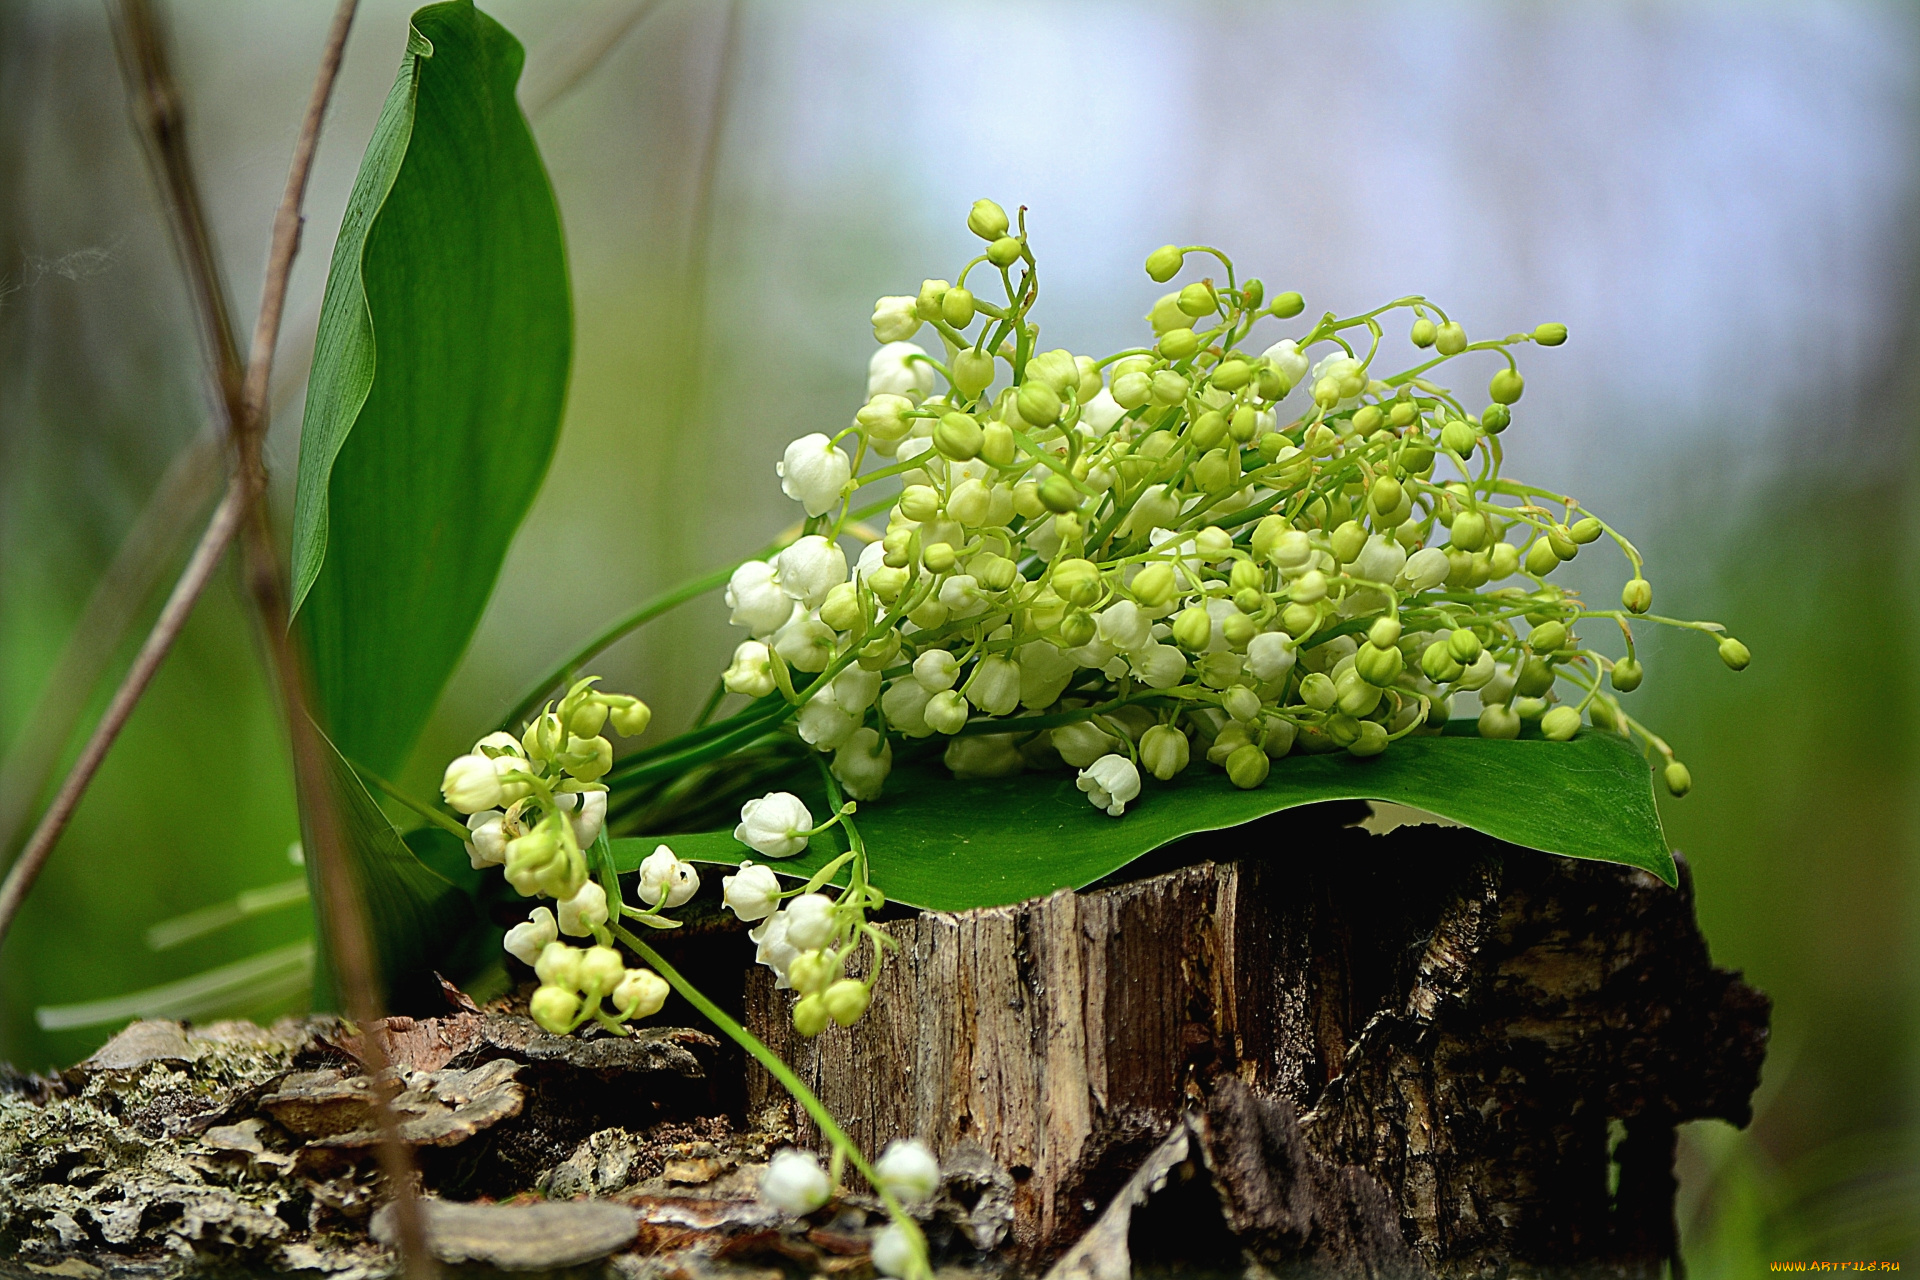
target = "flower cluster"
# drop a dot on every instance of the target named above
(795, 1183)
(1204, 548)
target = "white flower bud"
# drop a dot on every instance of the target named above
(892, 371)
(1155, 507)
(961, 595)
(894, 319)
(884, 419)
(1102, 412)
(970, 503)
(862, 764)
(995, 687)
(984, 755)
(946, 712)
(1381, 559)
(471, 784)
(794, 1181)
(813, 473)
(811, 920)
(772, 949)
(585, 909)
(1426, 568)
(1164, 750)
(893, 1251)
(936, 670)
(751, 894)
(488, 847)
(856, 688)
(559, 965)
(810, 568)
(1082, 742)
(1125, 626)
(775, 825)
(1110, 782)
(1287, 357)
(805, 643)
(1270, 655)
(758, 603)
(664, 876)
(905, 706)
(751, 671)
(641, 994)
(526, 940)
(587, 812)
(500, 740)
(907, 1169)
(601, 970)
(823, 723)
(1159, 666)
(1478, 673)
(1044, 673)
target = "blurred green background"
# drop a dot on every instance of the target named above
(1719, 201)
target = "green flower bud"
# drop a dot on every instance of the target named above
(1230, 739)
(1541, 559)
(1077, 629)
(1287, 305)
(1067, 528)
(926, 303)
(994, 572)
(1178, 344)
(1587, 529)
(1164, 263)
(1548, 637)
(1196, 300)
(1560, 723)
(1309, 588)
(987, 220)
(1601, 712)
(1627, 675)
(1734, 654)
(1349, 539)
(1241, 703)
(1317, 691)
(1424, 333)
(1245, 573)
(1154, 585)
(1038, 404)
(1385, 496)
(1469, 531)
(1561, 540)
(1165, 314)
(810, 1016)
(1208, 429)
(938, 557)
(1367, 419)
(1272, 384)
(1384, 633)
(1232, 375)
(1497, 721)
(1679, 781)
(1450, 339)
(841, 609)
(1248, 766)
(1439, 664)
(1504, 561)
(1459, 437)
(1193, 629)
(919, 502)
(554, 1009)
(1495, 418)
(1251, 293)
(1369, 740)
(1550, 334)
(846, 1000)
(1077, 582)
(1164, 751)
(973, 372)
(1004, 252)
(956, 307)
(1379, 666)
(812, 971)
(1058, 495)
(631, 718)
(1266, 534)
(1506, 386)
(1534, 679)
(1244, 423)
(1239, 629)
(996, 444)
(1356, 695)
(1218, 471)
(958, 437)
(1463, 644)
(1168, 388)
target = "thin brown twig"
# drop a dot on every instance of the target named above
(242, 395)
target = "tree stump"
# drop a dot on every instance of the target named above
(1423, 1052)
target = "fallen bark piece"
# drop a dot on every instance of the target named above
(142, 1042)
(520, 1237)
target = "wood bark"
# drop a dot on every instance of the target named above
(1422, 1052)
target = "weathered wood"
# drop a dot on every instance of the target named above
(1429, 1020)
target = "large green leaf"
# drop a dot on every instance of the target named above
(438, 379)
(421, 919)
(948, 845)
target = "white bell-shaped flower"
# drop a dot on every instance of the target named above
(862, 764)
(936, 670)
(586, 909)
(856, 689)
(805, 643)
(758, 603)
(753, 893)
(471, 784)
(1270, 655)
(772, 949)
(776, 824)
(1110, 782)
(587, 812)
(1288, 359)
(1082, 742)
(794, 1181)
(814, 472)
(1381, 560)
(894, 319)
(908, 1169)
(641, 994)
(905, 705)
(1426, 569)
(1159, 666)
(1102, 412)
(984, 755)
(1044, 673)
(810, 568)
(526, 940)
(1125, 626)
(751, 671)
(810, 921)
(666, 880)
(995, 686)
(488, 845)
(893, 371)
(823, 723)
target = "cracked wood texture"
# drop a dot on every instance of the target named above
(1422, 1052)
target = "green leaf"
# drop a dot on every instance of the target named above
(947, 845)
(420, 919)
(439, 374)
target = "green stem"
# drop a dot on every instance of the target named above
(426, 811)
